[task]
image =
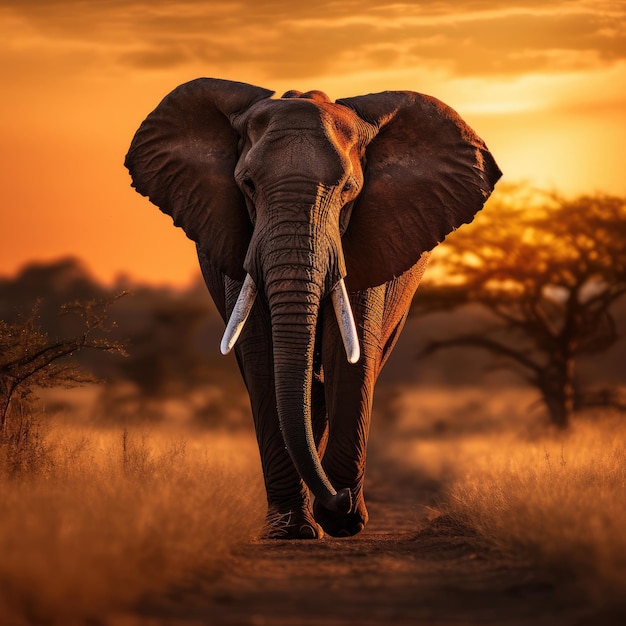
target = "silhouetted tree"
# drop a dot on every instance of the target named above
(29, 359)
(49, 285)
(549, 270)
(171, 334)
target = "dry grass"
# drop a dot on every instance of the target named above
(95, 519)
(91, 520)
(556, 500)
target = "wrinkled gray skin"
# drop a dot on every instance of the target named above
(299, 192)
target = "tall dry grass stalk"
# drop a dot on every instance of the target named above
(106, 516)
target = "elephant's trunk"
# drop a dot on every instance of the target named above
(294, 293)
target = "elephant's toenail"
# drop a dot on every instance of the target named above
(307, 532)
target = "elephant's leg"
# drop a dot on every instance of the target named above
(399, 293)
(349, 397)
(289, 514)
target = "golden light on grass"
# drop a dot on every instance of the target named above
(559, 503)
(554, 501)
(92, 520)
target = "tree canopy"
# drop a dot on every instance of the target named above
(549, 269)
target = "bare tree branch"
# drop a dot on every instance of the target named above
(30, 359)
(478, 341)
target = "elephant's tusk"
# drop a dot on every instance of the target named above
(240, 313)
(343, 311)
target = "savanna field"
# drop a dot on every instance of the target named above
(96, 518)
(93, 518)
(131, 491)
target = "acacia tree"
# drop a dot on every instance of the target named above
(29, 359)
(549, 270)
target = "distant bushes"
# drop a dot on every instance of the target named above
(171, 338)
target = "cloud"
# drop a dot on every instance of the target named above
(279, 41)
(167, 55)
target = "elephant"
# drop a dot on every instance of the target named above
(313, 222)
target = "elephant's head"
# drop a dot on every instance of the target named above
(297, 193)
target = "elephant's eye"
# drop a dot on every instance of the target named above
(248, 184)
(348, 186)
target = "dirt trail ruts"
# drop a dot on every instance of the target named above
(403, 569)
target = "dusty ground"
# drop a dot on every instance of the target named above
(403, 569)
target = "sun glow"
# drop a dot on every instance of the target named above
(542, 85)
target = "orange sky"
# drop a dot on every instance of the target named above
(544, 83)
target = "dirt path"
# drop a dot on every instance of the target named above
(401, 570)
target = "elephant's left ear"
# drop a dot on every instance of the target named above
(426, 173)
(183, 158)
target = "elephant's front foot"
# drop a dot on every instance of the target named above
(291, 523)
(343, 524)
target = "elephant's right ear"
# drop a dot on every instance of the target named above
(183, 159)
(426, 173)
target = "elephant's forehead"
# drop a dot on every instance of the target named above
(324, 119)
